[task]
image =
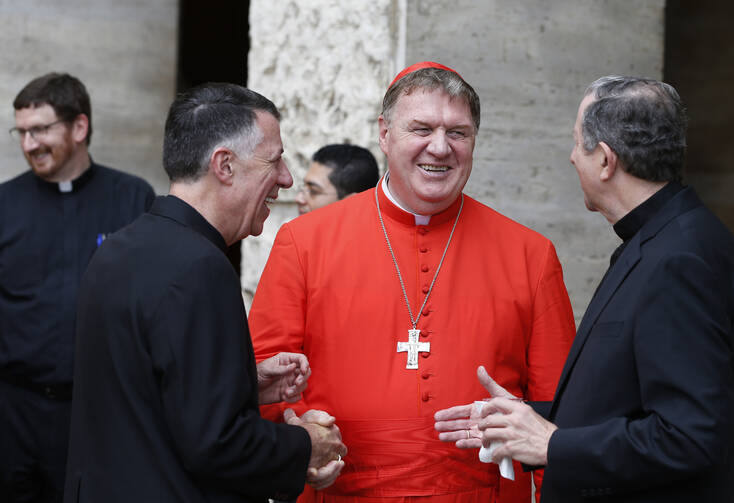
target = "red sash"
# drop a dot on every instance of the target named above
(404, 457)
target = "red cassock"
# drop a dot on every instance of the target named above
(330, 290)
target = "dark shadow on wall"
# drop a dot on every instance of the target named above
(699, 63)
(213, 42)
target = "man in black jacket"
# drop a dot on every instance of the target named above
(166, 399)
(644, 409)
(53, 217)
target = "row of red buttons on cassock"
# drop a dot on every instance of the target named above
(425, 396)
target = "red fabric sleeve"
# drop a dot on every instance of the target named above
(552, 335)
(553, 330)
(276, 330)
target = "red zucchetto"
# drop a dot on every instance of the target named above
(417, 66)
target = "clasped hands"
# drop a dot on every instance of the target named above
(327, 448)
(523, 433)
(283, 378)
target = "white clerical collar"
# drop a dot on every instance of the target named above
(419, 219)
(66, 186)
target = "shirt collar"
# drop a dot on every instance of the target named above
(419, 219)
(632, 222)
(177, 209)
(73, 185)
(394, 210)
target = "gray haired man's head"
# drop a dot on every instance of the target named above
(642, 120)
(206, 117)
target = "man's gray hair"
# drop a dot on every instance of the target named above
(430, 79)
(642, 120)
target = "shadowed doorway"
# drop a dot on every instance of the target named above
(699, 52)
(213, 42)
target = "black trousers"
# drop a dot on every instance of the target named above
(34, 438)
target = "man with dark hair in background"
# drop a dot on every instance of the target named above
(644, 409)
(336, 172)
(52, 219)
(166, 387)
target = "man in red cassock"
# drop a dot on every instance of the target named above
(395, 292)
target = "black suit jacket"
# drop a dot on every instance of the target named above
(645, 403)
(165, 404)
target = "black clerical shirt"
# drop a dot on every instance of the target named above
(48, 233)
(630, 224)
(627, 226)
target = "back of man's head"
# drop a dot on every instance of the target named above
(430, 79)
(353, 169)
(642, 120)
(206, 117)
(64, 93)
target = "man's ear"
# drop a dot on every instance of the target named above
(608, 160)
(383, 134)
(220, 164)
(80, 128)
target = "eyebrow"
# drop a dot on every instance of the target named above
(312, 184)
(418, 122)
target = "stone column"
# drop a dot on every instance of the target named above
(325, 64)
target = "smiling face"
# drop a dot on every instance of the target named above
(429, 144)
(259, 178)
(52, 155)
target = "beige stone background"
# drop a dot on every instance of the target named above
(326, 64)
(124, 51)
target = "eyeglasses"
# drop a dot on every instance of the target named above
(314, 191)
(36, 132)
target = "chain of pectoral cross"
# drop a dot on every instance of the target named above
(413, 346)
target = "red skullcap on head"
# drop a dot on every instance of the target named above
(419, 66)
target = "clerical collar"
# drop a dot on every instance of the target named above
(74, 185)
(632, 222)
(419, 219)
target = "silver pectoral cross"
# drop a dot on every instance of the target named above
(413, 347)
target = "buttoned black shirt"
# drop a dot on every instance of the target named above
(48, 233)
